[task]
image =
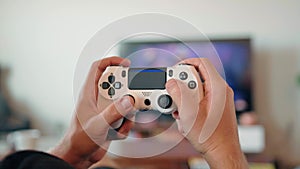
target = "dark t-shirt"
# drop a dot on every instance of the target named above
(34, 160)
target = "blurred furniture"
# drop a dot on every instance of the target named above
(252, 140)
(180, 156)
(10, 120)
(175, 158)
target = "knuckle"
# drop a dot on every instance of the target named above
(205, 60)
(229, 90)
(121, 136)
(114, 112)
(95, 64)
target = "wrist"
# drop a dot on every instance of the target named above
(70, 150)
(227, 155)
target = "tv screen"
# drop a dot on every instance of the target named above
(234, 55)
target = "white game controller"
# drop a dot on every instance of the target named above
(145, 85)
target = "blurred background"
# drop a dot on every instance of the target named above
(40, 42)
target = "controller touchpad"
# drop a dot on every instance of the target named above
(146, 78)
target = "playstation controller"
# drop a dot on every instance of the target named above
(145, 85)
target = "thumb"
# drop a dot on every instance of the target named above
(174, 89)
(97, 127)
(118, 109)
(187, 102)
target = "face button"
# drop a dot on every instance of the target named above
(165, 101)
(111, 91)
(105, 85)
(111, 78)
(117, 85)
(192, 84)
(183, 75)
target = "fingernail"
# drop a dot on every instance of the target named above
(126, 104)
(126, 62)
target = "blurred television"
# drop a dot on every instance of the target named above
(234, 54)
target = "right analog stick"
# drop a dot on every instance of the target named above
(165, 101)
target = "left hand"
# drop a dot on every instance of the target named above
(86, 140)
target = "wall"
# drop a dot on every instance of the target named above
(40, 42)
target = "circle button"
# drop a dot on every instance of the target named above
(192, 84)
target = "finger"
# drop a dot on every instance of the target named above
(179, 126)
(125, 129)
(182, 96)
(118, 109)
(214, 85)
(97, 127)
(127, 124)
(175, 115)
(174, 90)
(207, 71)
(187, 102)
(203, 64)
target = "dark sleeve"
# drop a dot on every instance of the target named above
(33, 160)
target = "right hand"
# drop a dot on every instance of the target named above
(212, 130)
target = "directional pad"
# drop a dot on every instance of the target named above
(111, 91)
(111, 85)
(111, 78)
(105, 85)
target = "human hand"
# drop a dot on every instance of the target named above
(212, 130)
(86, 140)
